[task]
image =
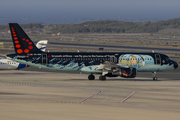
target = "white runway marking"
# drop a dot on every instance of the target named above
(89, 98)
(110, 97)
(128, 97)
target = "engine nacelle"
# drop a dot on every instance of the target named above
(129, 72)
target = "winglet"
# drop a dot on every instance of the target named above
(22, 43)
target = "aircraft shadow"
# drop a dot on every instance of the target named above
(6, 93)
(111, 80)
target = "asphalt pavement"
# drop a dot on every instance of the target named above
(108, 46)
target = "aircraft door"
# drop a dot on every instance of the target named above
(111, 59)
(158, 59)
(44, 59)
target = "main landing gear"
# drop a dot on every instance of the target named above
(154, 76)
(102, 78)
(91, 77)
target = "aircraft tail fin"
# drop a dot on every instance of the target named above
(22, 43)
(42, 45)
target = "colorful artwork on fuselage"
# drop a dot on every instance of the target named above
(135, 60)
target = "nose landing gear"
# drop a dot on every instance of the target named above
(154, 76)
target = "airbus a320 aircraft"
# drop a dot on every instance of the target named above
(6, 64)
(107, 64)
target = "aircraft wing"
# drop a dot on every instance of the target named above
(3, 56)
(108, 66)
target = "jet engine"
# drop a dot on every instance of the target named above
(127, 72)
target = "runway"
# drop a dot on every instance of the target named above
(106, 46)
(115, 36)
(41, 94)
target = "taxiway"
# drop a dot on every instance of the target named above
(34, 94)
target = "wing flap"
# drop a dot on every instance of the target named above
(108, 66)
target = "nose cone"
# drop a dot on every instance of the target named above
(175, 65)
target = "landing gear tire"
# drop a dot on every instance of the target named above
(155, 78)
(91, 77)
(102, 78)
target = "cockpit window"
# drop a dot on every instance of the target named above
(168, 58)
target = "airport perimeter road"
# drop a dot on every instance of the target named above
(112, 47)
(54, 95)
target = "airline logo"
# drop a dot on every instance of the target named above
(18, 47)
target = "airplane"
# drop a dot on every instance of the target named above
(107, 64)
(6, 64)
(42, 45)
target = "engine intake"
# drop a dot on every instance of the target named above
(129, 72)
